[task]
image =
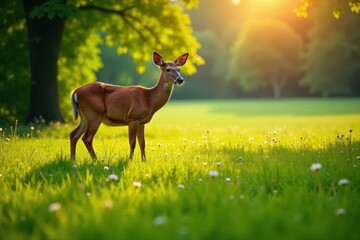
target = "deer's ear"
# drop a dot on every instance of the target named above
(182, 59)
(158, 60)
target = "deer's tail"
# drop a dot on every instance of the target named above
(74, 104)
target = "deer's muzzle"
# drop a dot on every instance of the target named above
(179, 81)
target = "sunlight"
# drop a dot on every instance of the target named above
(236, 2)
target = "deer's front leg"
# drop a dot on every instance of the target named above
(133, 129)
(141, 140)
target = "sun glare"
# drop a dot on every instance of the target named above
(235, 2)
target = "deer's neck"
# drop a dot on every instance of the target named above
(160, 93)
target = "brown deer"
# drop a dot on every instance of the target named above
(131, 106)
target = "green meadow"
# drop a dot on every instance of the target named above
(236, 169)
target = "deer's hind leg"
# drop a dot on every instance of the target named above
(75, 135)
(93, 120)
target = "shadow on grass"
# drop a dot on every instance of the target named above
(63, 169)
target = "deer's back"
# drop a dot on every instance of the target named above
(117, 104)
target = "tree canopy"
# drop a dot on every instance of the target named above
(337, 8)
(267, 52)
(333, 56)
(136, 27)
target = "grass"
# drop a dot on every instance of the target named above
(262, 150)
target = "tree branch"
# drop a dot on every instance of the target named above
(141, 35)
(144, 26)
(105, 10)
(128, 19)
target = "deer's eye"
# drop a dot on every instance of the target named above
(168, 70)
(178, 69)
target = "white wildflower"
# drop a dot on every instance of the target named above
(218, 163)
(343, 182)
(75, 166)
(204, 163)
(160, 220)
(315, 167)
(213, 173)
(181, 186)
(108, 204)
(251, 139)
(228, 179)
(357, 157)
(200, 180)
(54, 207)
(106, 168)
(113, 177)
(340, 211)
(137, 184)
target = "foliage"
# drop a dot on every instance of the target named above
(337, 8)
(122, 70)
(267, 52)
(264, 178)
(157, 24)
(14, 84)
(77, 69)
(136, 27)
(53, 8)
(209, 80)
(333, 57)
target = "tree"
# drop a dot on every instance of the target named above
(138, 27)
(333, 57)
(209, 80)
(336, 7)
(44, 36)
(15, 82)
(268, 52)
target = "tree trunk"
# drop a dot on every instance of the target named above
(277, 87)
(277, 92)
(44, 41)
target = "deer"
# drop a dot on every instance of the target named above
(114, 105)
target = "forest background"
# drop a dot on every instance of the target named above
(241, 49)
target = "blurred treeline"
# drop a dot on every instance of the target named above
(261, 50)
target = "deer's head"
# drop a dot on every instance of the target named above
(170, 69)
